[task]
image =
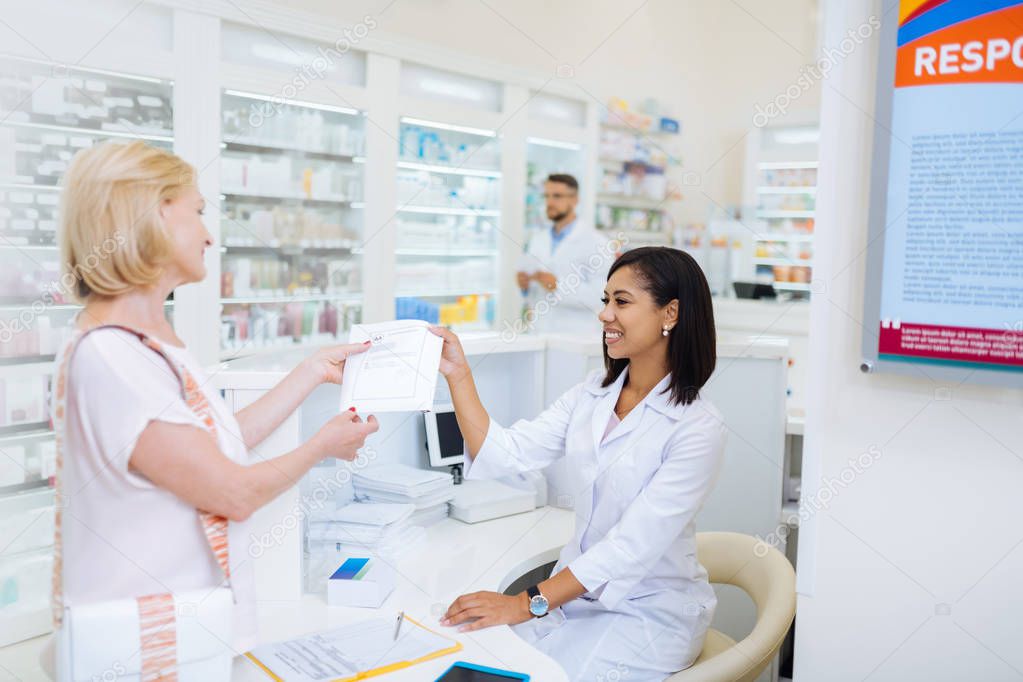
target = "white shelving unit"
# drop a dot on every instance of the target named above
(635, 157)
(291, 217)
(781, 193)
(448, 204)
(51, 119)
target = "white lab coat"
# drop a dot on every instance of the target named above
(648, 604)
(580, 262)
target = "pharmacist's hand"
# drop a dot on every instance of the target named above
(547, 280)
(343, 435)
(452, 357)
(329, 363)
(523, 279)
(483, 609)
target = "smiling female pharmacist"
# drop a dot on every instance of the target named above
(153, 467)
(627, 591)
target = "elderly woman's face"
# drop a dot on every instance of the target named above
(183, 219)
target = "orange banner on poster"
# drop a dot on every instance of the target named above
(985, 49)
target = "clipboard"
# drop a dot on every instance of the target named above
(320, 656)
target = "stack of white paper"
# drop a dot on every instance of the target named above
(428, 492)
(364, 526)
(429, 515)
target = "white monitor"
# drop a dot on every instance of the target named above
(444, 440)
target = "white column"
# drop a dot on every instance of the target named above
(379, 230)
(592, 171)
(511, 239)
(197, 140)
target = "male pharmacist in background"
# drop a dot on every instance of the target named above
(563, 270)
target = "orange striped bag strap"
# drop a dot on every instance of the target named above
(153, 609)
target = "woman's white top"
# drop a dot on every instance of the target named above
(638, 488)
(124, 536)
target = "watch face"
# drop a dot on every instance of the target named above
(538, 605)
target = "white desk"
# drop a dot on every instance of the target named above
(455, 558)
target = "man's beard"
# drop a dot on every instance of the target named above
(558, 217)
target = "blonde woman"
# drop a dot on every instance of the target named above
(154, 469)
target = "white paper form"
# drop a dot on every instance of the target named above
(399, 371)
(343, 653)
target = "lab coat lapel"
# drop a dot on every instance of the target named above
(602, 411)
(655, 399)
(626, 425)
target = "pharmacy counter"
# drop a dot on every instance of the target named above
(455, 558)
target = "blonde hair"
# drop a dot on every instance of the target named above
(111, 234)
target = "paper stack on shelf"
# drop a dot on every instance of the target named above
(380, 527)
(427, 491)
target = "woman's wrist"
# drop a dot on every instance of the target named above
(458, 376)
(310, 372)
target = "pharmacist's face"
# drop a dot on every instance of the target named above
(561, 200)
(182, 218)
(631, 318)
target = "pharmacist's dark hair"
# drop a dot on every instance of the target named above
(668, 274)
(564, 179)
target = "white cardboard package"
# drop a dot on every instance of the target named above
(365, 584)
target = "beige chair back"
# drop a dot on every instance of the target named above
(769, 579)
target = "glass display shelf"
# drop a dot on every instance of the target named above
(26, 558)
(633, 192)
(292, 177)
(543, 158)
(786, 194)
(55, 111)
(449, 197)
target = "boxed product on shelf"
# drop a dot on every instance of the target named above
(422, 188)
(286, 226)
(13, 465)
(629, 219)
(84, 99)
(281, 176)
(787, 202)
(465, 310)
(254, 326)
(27, 530)
(25, 583)
(249, 120)
(443, 147)
(40, 338)
(28, 218)
(24, 400)
(465, 274)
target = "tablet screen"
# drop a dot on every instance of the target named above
(459, 674)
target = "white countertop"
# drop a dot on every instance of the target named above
(454, 559)
(264, 370)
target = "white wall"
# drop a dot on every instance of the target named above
(709, 62)
(912, 572)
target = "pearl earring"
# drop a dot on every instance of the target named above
(664, 330)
